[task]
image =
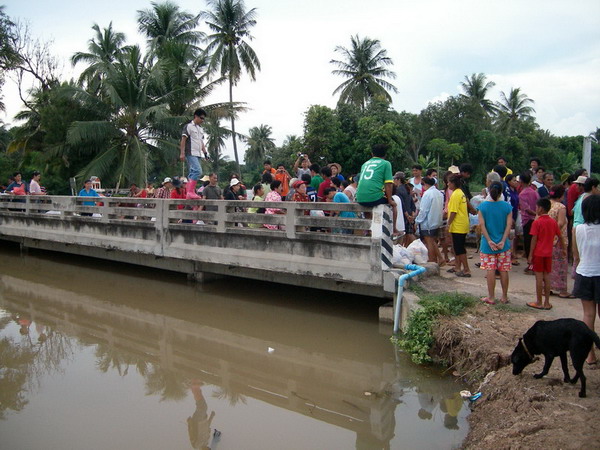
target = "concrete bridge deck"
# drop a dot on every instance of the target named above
(220, 239)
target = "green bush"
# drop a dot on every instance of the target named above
(418, 338)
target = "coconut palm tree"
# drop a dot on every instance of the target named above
(120, 144)
(260, 143)
(228, 46)
(476, 88)
(512, 109)
(364, 64)
(103, 49)
(165, 23)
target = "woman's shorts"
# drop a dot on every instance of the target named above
(587, 288)
(496, 261)
(458, 242)
(430, 233)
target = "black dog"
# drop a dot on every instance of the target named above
(552, 339)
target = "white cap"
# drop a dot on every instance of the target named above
(167, 180)
(580, 180)
(233, 182)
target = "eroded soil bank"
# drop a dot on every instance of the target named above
(516, 411)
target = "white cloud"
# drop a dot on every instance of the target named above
(433, 43)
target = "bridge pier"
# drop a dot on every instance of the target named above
(204, 277)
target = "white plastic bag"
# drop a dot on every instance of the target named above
(418, 251)
(400, 226)
(401, 256)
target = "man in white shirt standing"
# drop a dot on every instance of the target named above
(430, 218)
(191, 149)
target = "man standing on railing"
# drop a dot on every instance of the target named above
(87, 191)
(191, 149)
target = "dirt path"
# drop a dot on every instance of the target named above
(514, 411)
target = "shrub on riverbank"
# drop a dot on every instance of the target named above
(418, 338)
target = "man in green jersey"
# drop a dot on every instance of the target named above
(376, 182)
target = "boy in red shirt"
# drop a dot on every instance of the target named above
(543, 232)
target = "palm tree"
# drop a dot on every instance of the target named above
(512, 109)
(103, 49)
(476, 88)
(172, 40)
(260, 143)
(364, 65)
(131, 129)
(230, 52)
(166, 23)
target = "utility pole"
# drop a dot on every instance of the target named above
(587, 153)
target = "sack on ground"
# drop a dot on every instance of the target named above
(418, 251)
(401, 256)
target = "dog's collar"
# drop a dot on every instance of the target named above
(526, 349)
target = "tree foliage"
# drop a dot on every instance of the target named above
(364, 65)
(230, 52)
(122, 119)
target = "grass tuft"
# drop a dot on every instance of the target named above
(418, 338)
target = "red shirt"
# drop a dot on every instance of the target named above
(573, 194)
(178, 193)
(545, 228)
(324, 185)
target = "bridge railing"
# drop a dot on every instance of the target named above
(289, 218)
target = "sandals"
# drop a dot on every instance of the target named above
(463, 275)
(487, 300)
(452, 270)
(566, 296)
(536, 306)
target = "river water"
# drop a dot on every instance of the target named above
(98, 355)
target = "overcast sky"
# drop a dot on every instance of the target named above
(550, 49)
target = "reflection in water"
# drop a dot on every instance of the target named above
(24, 360)
(199, 423)
(315, 356)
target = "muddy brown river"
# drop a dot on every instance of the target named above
(97, 355)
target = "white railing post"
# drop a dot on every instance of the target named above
(221, 216)
(104, 210)
(290, 220)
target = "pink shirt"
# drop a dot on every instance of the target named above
(527, 200)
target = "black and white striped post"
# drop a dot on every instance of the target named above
(382, 228)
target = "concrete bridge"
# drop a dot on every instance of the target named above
(220, 239)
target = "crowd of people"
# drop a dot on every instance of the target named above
(556, 224)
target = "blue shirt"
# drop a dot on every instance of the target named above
(91, 193)
(577, 214)
(431, 210)
(340, 197)
(312, 193)
(494, 214)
